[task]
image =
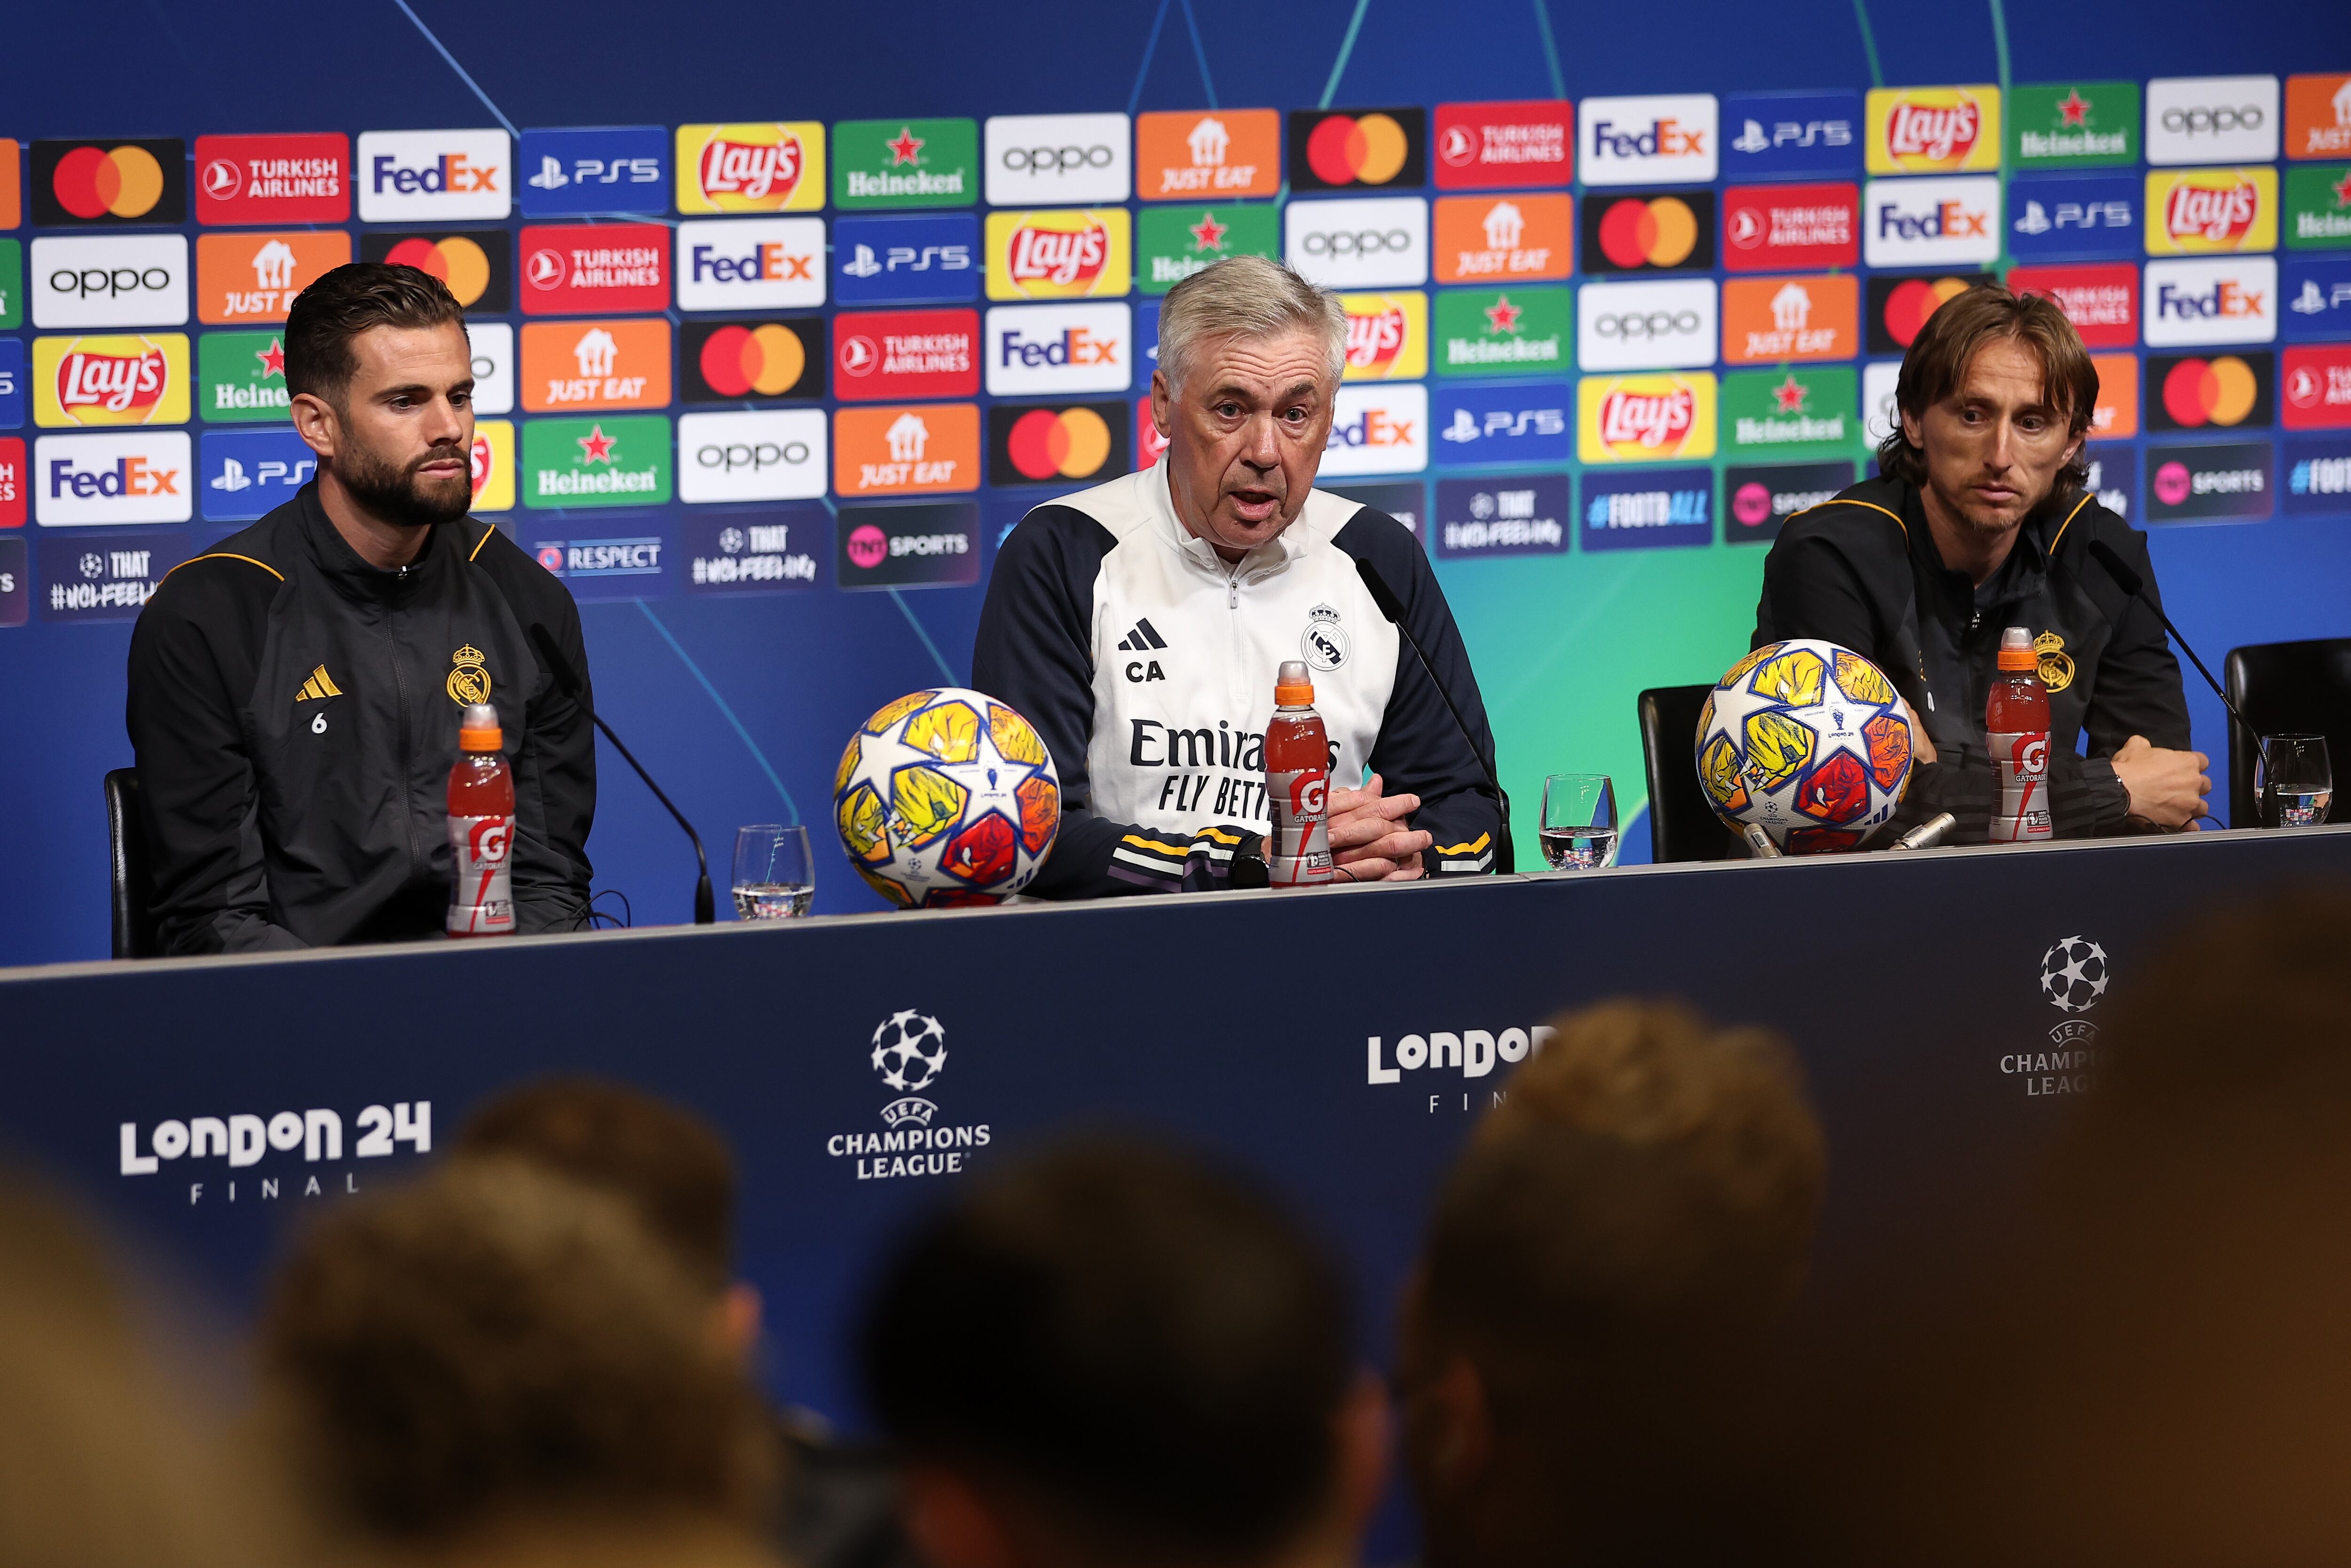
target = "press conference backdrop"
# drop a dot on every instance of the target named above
(783, 316)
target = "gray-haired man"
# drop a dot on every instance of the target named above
(1139, 625)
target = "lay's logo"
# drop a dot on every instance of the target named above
(110, 380)
(2203, 212)
(1070, 255)
(1933, 130)
(1644, 418)
(1387, 336)
(771, 167)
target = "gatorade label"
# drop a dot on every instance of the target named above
(1298, 850)
(2022, 761)
(481, 893)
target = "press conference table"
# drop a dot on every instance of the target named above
(1340, 1041)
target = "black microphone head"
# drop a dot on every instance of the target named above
(1389, 605)
(2127, 579)
(553, 657)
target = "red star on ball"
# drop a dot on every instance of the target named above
(597, 446)
(1791, 394)
(2076, 110)
(1503, 316)
(1208, 233)
(273, 358)
(903, 149)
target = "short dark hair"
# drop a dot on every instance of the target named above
(1948, 344)
(498, 1338)
(348, 300)
(1148, 1346)
(668, 1163)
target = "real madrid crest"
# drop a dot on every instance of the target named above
(1325, 642)
(2056, 666)
(469, 682)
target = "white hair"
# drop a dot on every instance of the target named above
(1246, 297)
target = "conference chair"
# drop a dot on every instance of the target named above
(134, 887)
(2286, 688)
(1682, 825)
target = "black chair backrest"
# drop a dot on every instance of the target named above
(2286, 688)
(134, 888)
(1682, 823)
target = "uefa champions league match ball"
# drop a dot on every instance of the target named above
(947, 797)
(1808, 741)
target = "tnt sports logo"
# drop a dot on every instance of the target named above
(139, 180)
(1047, 160)
(110, 380)
(1667, 141)
(1645, 419)
(2075, 974)
(109, 280)
(1229, 153)
(767, 455)
(769, 167)
(2201, 211)
(750, 264)
(1347, 150)
(2225, 390)
(1071, 255)
(1664, 325)
(1378, 429)
(1049, 349)
(2211, 119)
(2195, 303)
(1933, 130)
(128, 476)
(1931, 222)
(1374, 243)
(1387, 336)
(435, 176)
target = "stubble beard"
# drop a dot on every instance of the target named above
(398, 493)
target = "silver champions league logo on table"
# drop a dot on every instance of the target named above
(908, 1050)
(2075, 974)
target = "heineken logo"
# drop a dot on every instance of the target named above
(1176, 242)
(1791, 413)
(242, 376)
(1504, 331)
(886, 163)
(612, 461)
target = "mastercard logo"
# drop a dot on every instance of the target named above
(2219, 390)
(456, 261)
(1915, 300)
(739, 362)
(1357, 149)
(1068, 443)
(123, 182)
(1657, 232)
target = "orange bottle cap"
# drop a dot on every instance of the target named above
(479, 729)
(1293, 687)
(2016, 649)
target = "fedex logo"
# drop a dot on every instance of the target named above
(1932, 222)
(1054, 348)
(1649, 140)
(408, 176)
(2199, 302)
(750, 264)
(1378, 428)
(1074, 347)
(135, 477)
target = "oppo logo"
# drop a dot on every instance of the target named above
(1362, 242)
(112, 282)
(1056, 160)
(2213, 121)
(1650, 324)
(725, 458)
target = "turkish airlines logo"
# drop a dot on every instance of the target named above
(302, 179)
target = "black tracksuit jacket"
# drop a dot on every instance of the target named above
(294, 711)
(1863, 571)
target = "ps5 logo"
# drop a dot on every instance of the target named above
(1752, 138)
(232, 476)
(595, 172)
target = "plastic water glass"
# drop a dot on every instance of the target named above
(774, 878)
(1579, 821)
(2298, 782)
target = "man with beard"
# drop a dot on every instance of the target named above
(1981, 518)
(296, 691)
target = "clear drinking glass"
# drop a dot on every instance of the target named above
(2298, 783)
(774, 878)
(1579, 821)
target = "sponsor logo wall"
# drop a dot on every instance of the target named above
(763, 315)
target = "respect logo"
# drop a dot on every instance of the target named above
(83, 184)
(2201, 212)
(1645, 419)
(1066, 255)
(774, 166)
(1226, 152)
(595, 364)
(1933, 130)
(110, 380)
(1387, 336)
(247, 277)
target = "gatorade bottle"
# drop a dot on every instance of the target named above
(2016, 720)
(481, 829)
(1297, 784)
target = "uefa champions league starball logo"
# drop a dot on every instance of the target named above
(2073, 974)
(910, 1050)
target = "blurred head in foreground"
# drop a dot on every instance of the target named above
(1112, 1354)
(498, 1364)
(1605, 1263)
(101, 1465)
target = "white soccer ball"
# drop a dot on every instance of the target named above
(2073, 974)
(1807, 740)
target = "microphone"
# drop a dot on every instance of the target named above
(2133, 584)
(705, 906)
(1505, 861)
